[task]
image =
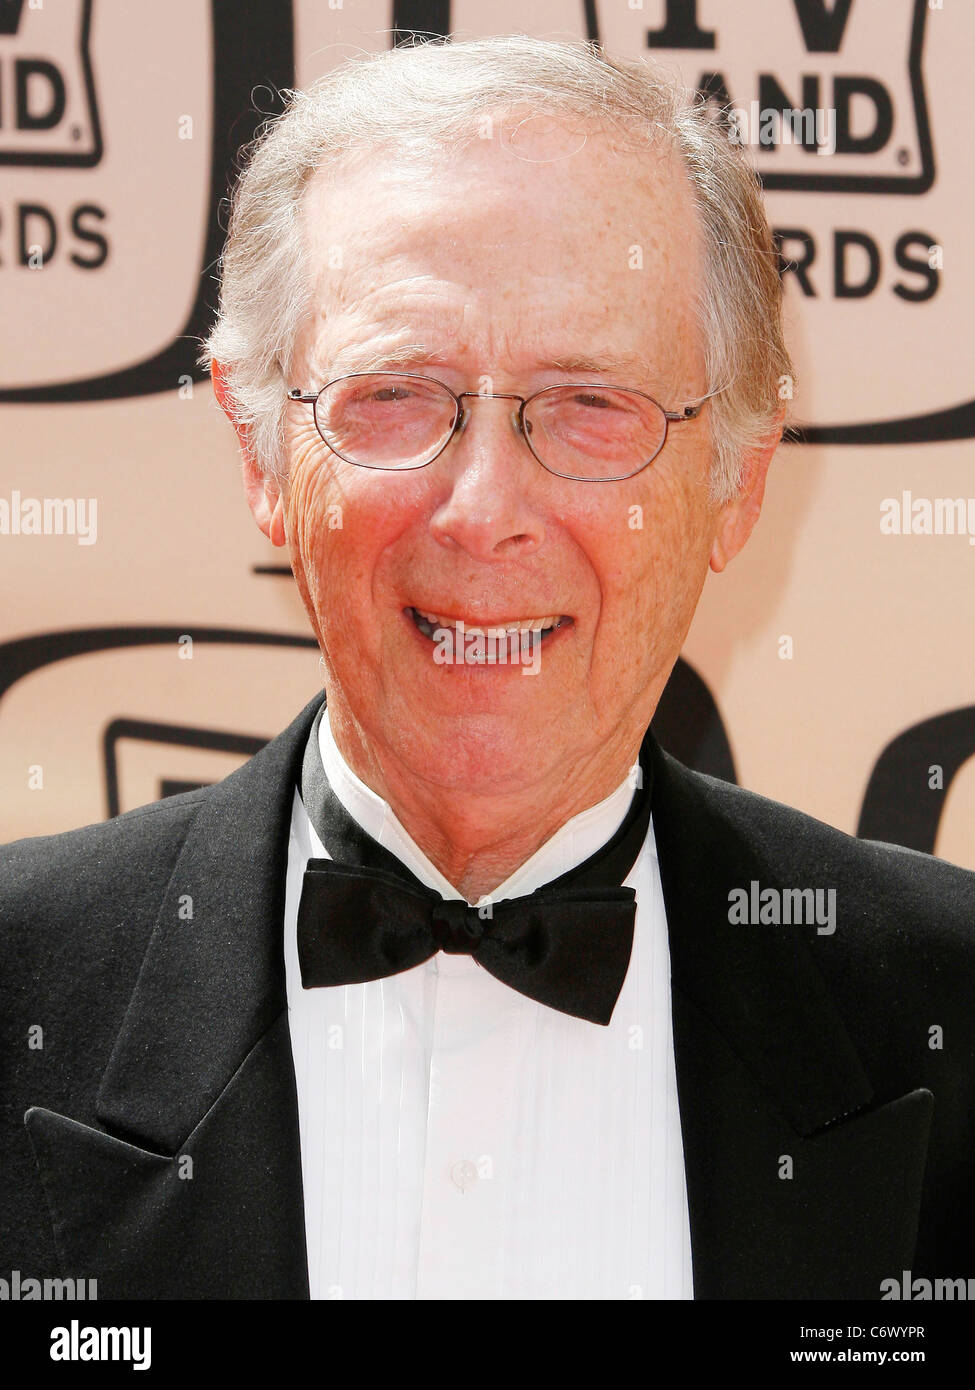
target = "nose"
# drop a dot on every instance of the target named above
(489, 511)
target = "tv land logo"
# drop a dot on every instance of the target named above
(855, 59)
(49, 120)
(848, 70)
(855, 62)
(64, 64)
(48, 103)
(831, 98)
(827, 96)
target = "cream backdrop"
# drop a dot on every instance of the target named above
(118, 126)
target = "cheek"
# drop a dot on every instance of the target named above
(314, 517)
(333, 574)
(652, 538)
(341, 522)
(653, 573)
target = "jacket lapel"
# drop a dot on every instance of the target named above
(193, 1190)
(798, 1185)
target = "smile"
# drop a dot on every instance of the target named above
(523, 628)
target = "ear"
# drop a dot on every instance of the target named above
(262, 490)
(737, 518)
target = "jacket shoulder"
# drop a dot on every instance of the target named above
(775, 825)
(98, 887)
(79, 884)
(884, 891)
(130, 840)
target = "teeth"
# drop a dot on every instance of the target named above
(513, 625)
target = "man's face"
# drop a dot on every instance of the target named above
(494, 265)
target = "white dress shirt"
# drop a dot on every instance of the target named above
(461, 1141)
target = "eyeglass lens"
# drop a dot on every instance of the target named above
(386, 420)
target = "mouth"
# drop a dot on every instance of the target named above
(525, 631)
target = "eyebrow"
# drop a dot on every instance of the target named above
(419, 355)
(606, 362)
(407, 355)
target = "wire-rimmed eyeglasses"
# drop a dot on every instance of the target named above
(585, 431)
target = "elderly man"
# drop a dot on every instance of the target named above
(462, 988)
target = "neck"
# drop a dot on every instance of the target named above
(477, 841)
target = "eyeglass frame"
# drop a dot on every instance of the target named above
(462, 415)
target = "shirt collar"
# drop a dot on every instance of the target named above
(571, 844)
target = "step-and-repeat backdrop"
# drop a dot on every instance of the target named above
(149, 638)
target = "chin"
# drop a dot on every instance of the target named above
(486, 754)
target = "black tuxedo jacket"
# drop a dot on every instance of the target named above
(151, 1141)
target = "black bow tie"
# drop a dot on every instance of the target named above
(364, 916)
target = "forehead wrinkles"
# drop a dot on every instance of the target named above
(388, 328)
(414, 262)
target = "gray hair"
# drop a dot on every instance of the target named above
(433, 94)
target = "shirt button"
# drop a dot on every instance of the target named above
(463, 1174)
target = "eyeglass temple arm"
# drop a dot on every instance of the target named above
(691, 412)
